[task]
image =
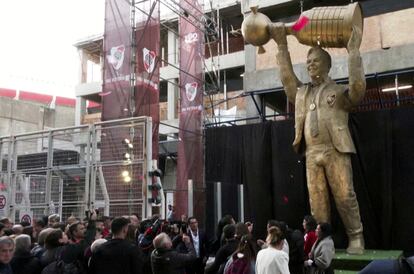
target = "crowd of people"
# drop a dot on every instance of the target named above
(153, 246)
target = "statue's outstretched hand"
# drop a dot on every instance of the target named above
(355, 40)
(278, 33)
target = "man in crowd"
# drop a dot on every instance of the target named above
(199, 240)
(6, 254)
(81, 238)
(165, 259)
(52, 220)
(117, 255)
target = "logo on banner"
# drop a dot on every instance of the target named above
(149, 60)
(191, 38)
(191, 90)
(116, 56)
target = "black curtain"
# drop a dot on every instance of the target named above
(260, 156)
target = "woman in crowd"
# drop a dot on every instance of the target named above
(309, 226)
(272, 260)
(322, 252)
(244, 259)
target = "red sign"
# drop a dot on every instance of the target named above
(26, 218)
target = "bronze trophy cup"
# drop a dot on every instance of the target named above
(323, 26)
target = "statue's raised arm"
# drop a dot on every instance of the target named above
(357, 83)
(289, 80)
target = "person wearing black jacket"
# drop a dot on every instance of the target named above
(165, 259)
(23, 262)
(224, 252)
(81, 238)
(199, 240)
(118, 255)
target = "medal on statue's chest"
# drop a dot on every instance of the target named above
(312, 106)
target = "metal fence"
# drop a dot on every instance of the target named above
(70, 170)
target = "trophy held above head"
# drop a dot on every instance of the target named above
(320, 26)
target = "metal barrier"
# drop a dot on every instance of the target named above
(71, 170)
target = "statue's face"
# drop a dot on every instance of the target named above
(316, 65)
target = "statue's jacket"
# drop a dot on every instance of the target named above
(333, 105)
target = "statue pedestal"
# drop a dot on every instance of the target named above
(346, 264)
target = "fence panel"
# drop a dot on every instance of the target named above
(70, 170)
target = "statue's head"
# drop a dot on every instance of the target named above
(318, 62)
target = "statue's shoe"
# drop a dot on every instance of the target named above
(356, 245)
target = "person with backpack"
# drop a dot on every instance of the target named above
(244, 259)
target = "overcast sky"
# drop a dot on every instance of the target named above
(37, 37)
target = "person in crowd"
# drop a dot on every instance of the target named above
(6, 222)
(134, 219)
(97, 243)
(28, 230)
(54, 242)
(224, 252)
(23, 262)
(2, 229)
(296, 254)
(88, 250)
(165, 259)
(131, 235)
(53, 219)
(241, 230)
(170, 213)
(322, 251)
(71, 219)
(94, 246)
(60, 225)
(81, 238)
(199, 240)
(272, 260)
(249, 226)
(38, 226)
(309, 226)
(6, 254)
(184, 218)
(40, 248)
(403, 265)
(217, 241)
(117, 256)
(282, 226)
(107, 226)
(242, 261)
(17, 230)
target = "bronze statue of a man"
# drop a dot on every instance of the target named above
(322, 133)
